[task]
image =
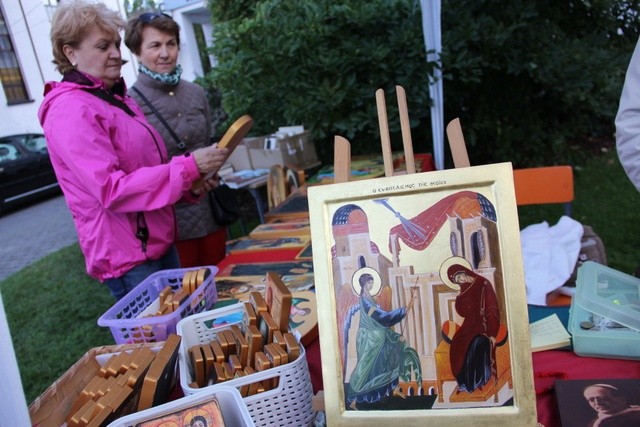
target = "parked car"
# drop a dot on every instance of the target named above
(25, 170)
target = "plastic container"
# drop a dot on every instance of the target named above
(289, 404)
(604, 318)
(124, 317)
(234, 411)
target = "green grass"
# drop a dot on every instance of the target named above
(52, 306)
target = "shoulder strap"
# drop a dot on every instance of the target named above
(111, 100)
(181, 145)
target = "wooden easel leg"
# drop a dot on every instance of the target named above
(341, 159)
(457, 144)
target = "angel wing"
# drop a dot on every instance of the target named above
(383, 299)
(347, 299)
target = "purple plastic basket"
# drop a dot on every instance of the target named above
(127, 328)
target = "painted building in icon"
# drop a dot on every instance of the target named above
(471, 237)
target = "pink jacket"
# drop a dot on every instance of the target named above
(111, 166)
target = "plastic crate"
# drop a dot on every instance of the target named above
(123, 317)
(289, 404)
(234, 411)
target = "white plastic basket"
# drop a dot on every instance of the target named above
(233, 409)
(287, 405)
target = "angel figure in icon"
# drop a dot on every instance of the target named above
(383, 356)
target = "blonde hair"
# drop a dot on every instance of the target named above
(73, 21)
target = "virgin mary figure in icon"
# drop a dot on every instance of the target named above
(473, 347)
(383, 356)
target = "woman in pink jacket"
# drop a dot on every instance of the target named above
(111, 164)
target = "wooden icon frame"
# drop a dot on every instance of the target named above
(352, 228)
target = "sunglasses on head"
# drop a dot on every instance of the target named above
(150, 16)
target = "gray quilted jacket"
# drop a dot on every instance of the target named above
(186, 110)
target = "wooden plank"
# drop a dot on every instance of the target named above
(405, 126)
(385, 139)
(457, 144)
(341, 159)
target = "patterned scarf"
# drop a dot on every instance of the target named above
(172, 78)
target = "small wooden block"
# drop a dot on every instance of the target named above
(157, 383)
(165, 292)
(105, 386)
(102, 372)
(261, 362)
(231, 341)
(203, 275)
(244, 389)
(259, 304)
(122, 395)
(293, 346)
(143, 358)
(186, 279)
(229, 372)
(234, 362)
(270, 350)
(224, 343)
(278, 298)
(278, 338)
(85, 413)
(179, 298)
(209, 358)
(273, 353)
(249, 316)
(218, 354)
(193, 279)
(197, 361)
(218, 375)
(102, 418)
(87, 393)
(254, 341)
(267, 327)
(242, 349)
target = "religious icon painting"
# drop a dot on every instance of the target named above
(420, 293)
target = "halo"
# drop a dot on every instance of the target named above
(377, 281)
(444, 267)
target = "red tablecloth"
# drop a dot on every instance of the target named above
(548, 366)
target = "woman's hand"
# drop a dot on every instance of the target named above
(210, 159)
(207, 185)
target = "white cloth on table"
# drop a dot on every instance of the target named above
(549, 256)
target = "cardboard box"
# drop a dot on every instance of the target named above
(240, 158)
(297, 150)
(53, 406)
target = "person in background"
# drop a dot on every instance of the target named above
(612, 408)
(627, 121)
(111, 164)
(179, 111)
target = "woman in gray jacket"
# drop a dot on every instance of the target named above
(179, 111)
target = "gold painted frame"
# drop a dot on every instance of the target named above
(408, 235)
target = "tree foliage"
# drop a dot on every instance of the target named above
(319, 63)
(528, 79)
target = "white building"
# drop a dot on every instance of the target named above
(26, 58)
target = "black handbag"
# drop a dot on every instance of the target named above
(222, 199)
(224, 204)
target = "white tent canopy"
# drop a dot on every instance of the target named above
(433, 44)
